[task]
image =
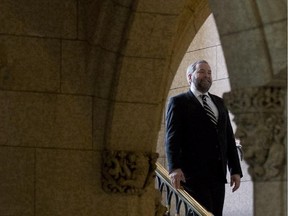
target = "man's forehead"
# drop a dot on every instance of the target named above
(202, 65)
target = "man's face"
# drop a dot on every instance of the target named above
(202, 77)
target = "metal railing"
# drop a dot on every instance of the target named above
(192, 207)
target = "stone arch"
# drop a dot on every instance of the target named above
(112, 62)
(253, 41)
(152, 39)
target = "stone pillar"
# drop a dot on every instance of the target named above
(260, 116)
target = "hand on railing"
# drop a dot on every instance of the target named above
(176, 176)
(181, 196)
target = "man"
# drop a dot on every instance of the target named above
(200, 142)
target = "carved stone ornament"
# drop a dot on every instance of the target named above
(261, 127)
(127, 172)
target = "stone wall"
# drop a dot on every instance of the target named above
(82, 77)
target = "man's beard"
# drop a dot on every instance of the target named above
(202, 85)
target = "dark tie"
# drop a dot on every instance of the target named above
(208, 110)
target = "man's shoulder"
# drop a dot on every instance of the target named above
(181, 96)
(215, 97)
(218, 100)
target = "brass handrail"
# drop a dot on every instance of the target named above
(163, 174)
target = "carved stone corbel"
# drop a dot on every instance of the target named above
(127, 172)
(259, 114)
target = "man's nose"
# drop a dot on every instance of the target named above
(207, 74)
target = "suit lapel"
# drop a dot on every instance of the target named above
(199, 106)
(200, 110)
(193, 98)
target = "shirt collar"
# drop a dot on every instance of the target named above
(196, 92)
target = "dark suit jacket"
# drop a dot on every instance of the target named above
(195, 145)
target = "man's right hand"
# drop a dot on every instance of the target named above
(176, 176)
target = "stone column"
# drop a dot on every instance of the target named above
(260, 116)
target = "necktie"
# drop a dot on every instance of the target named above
(208, 110)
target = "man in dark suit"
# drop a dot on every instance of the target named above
(200, 142)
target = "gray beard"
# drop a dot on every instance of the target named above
(202, 87)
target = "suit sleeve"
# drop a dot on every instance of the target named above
(233, 157)
(174, 134)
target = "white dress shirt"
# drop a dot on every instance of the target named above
(208, 99)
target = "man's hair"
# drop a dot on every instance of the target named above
(192, 68)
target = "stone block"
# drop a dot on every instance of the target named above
(276, 37)
(77, 76)
(82, 26)
(30, 64)
(220, 86)
(161, 142)
(112, 205)
(99, 139)
(100, 113)
(151, 35)
(221, 69)
(106, 73)
(270, 197)
(180, 79)
(249, 47)
(105, 28)
(73, 121)
(134, 126)
(207, 35)
(39, 18)
(147, 76)
(45, 120)
(176, 91)
(147, 201)
(114, 27)
(243, 13)
(161, 7)
(67, 182)
(272, 11)
(17, 181)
